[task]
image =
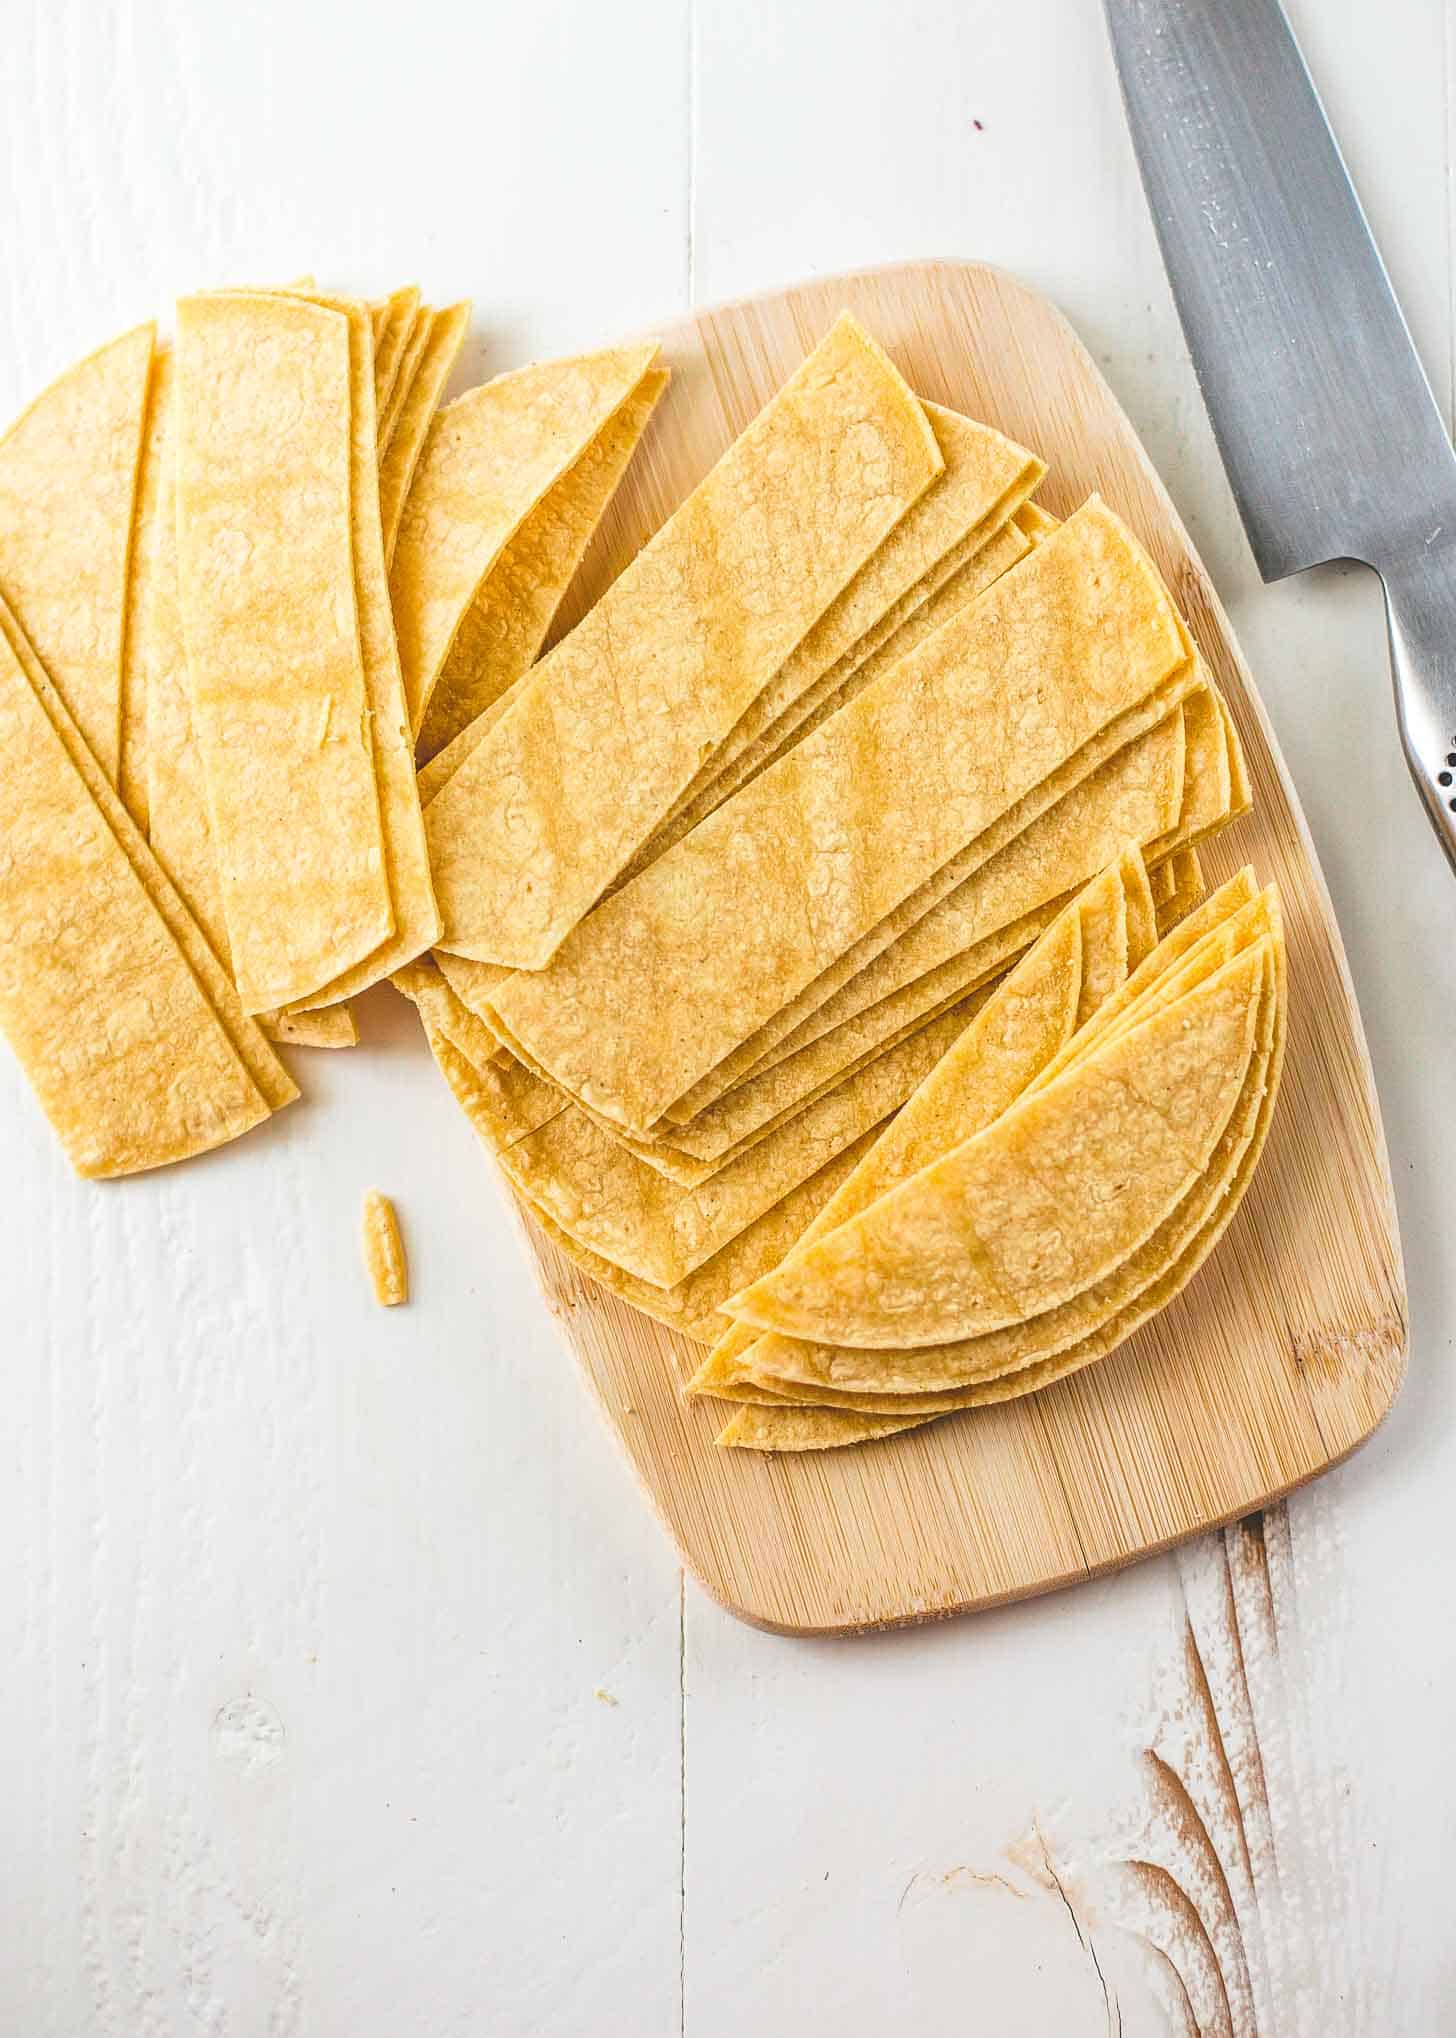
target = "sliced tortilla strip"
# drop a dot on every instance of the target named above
(955, 582)
(1031, 1016)
(841, 1374)
(129, 1060)
(505, 626)
(691, 1306)
(984, 478)
(268, 1074)
(628, 706)
(673, 972)
(948, 587)
(68, 479)
(406, 859)
(384, 1255)
(412, 348)
(394, 323)
(488, 460)
(269, 619)
(1133, 796)
(410, 425)
(594, 1188)
(1052, 1197)
(1186, 887)
(153, 500)
(335, 1027)
(807, 1429)
(1142, 914)
(1094, 1323)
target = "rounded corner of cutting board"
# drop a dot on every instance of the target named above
(1288, 1350)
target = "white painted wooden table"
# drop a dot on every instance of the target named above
(349, 1688)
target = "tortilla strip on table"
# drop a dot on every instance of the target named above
(488, 459)
(1094, 1323)
(501, 633)
(1185, 887)
(1027, 1021)
(415, 339)
(394, 324)
(406, 860)
(672, 973)
(274, 661)
(68, 481)
(131, 1063)
(410, 423)
(627, 707)
(1049, 1199)
(1136, 794)
(272, 1080)
(146, 540)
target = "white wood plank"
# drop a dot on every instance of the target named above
(308, 1601)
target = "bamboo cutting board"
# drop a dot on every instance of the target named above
(1288, 1347)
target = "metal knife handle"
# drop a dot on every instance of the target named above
(1420, 608)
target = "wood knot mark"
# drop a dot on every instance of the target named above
(1345, 1349)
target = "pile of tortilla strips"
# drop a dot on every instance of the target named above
(814, 933)
(820, 961)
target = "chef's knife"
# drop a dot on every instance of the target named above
(1332, 439)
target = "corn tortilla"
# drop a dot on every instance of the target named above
(684, 964)
(501, 633)
(1136, 795)
(394, 324)
(410, 424)
(68, 479)
(384, 1254)
(1027, 1021)
(803, 1368)
(268, 1074)
(487, 461)
(146, 541)
(412, 347)
(406, 860)
(270, 623)
(1093, 1323)
(627, 707)
(129, 1060)
(1043, 1203)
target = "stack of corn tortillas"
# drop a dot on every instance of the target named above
(812, 932)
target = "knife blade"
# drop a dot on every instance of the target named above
(1334, 444)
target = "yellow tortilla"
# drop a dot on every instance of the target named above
(412, 348)
(1048, 1347)
(984, 478)
(1030, 1017)
(1184, 889)
(335, 1027)
(406, 860)
(501, 633)
(268, 1074)
(845, 1376)
(1043, 1203)
(384, 1251)
(394, 324)
(626, 708)
(595, 1188)
(671, 974)
(1142, 915)
(947, 587)
(488, 460)
(276, 673)
(409, 427)
(129, 1060)
(691, 1306)
(1132, 797)
(146, 542)
(68, 478)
